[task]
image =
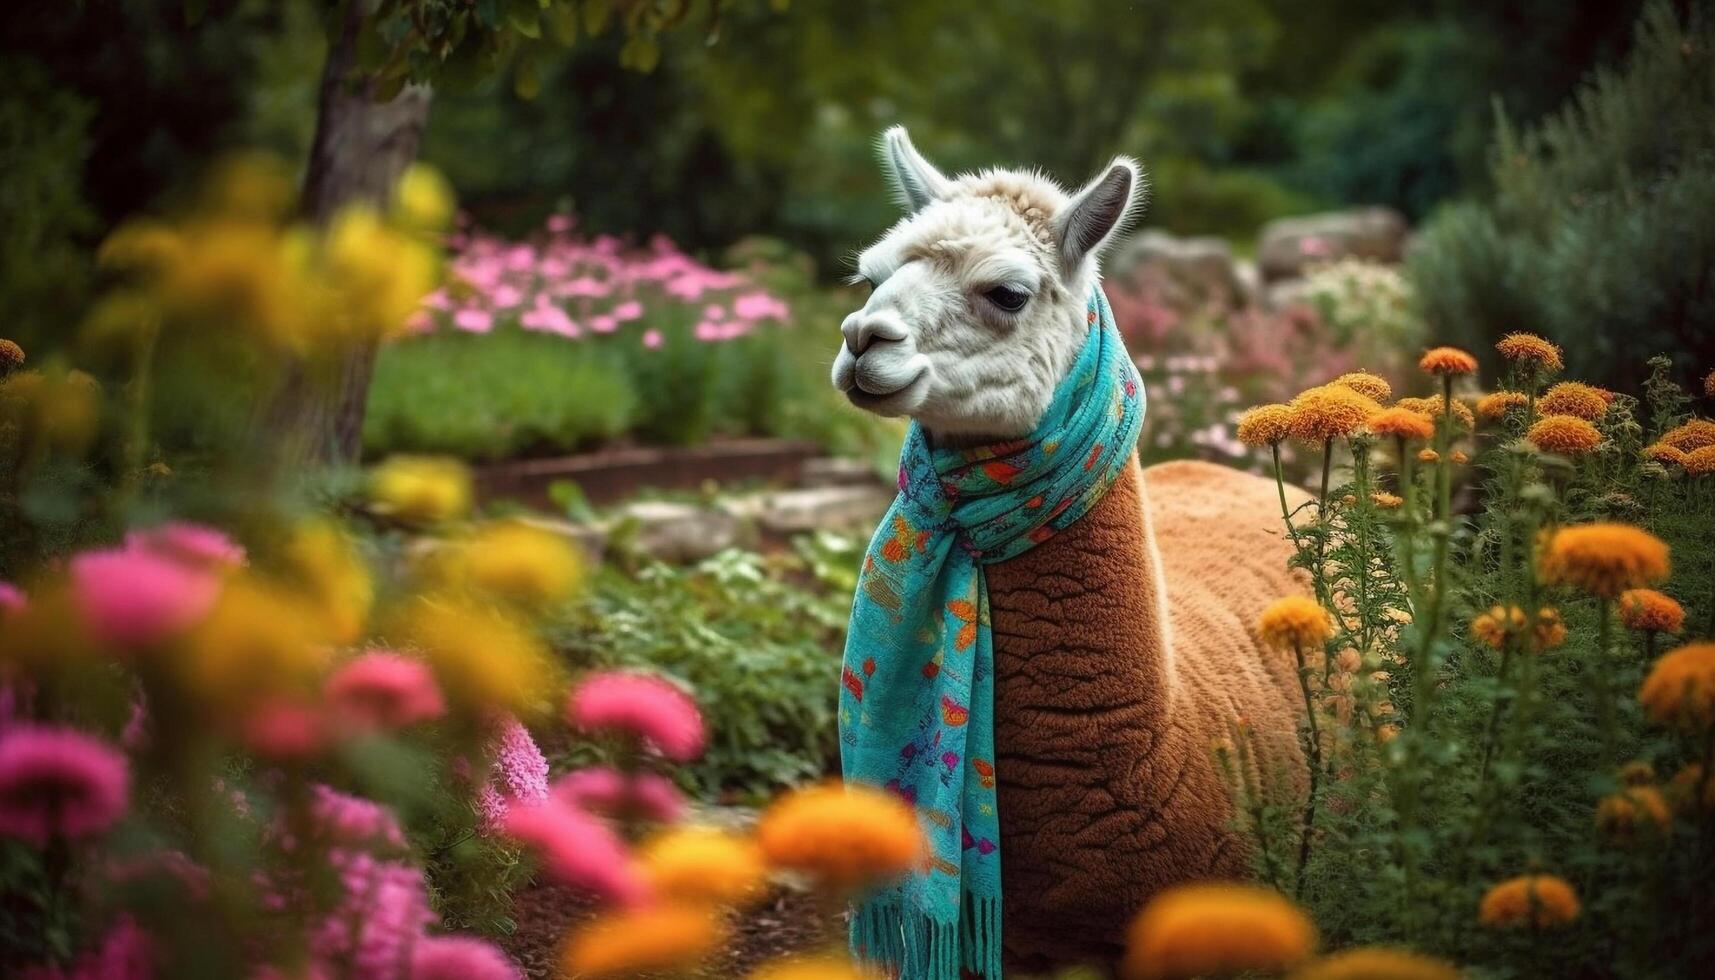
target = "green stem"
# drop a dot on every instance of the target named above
(1314, 758)
(1603, 690)
(1495, 713)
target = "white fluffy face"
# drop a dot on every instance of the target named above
(979, 297)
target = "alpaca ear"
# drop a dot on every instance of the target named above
(915, 180)
(1093, 216)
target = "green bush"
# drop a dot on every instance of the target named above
(1597, 233)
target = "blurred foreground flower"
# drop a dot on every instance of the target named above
(646, 796)
(626, 943)
(1647, 609)
(421, 489)
(1216, 930)
(1376, 963)
(1634, 811)
(846, 836)
(702, 865)
(1604, 559)
(576, 849)
(384, 690)
(1537, 901)
(812, 968)
(1680, 689)
(59, 783)
(459, 958)
(482, 657)
(643, 706)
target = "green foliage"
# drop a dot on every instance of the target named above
(756, 637)
(1595, 235)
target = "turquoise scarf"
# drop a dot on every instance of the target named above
(917, 705)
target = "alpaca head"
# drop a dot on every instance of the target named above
(978, 295)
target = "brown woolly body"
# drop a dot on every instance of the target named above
(1105, 713)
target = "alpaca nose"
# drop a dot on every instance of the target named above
(864, 328)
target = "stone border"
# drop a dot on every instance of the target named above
(613, 475)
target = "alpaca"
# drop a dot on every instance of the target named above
(1123, 647)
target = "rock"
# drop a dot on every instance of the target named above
(838, 471)
(1184, 274)
(1286, 292)
(1287, 245)
(817, 508)
(677, 532)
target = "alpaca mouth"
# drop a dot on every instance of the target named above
(893, 400)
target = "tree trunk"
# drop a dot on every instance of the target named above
(361, 147)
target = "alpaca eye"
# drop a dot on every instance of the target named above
(1007, 298)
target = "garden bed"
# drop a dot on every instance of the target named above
(610, 475)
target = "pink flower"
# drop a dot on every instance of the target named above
(628, 311)
(284, 730)
(135, 598)
(506, 296)
(759, 306)
(706, 331)
(641, 705)
(382, 689)
(460, 958)
(652, 338)
(135, 734)
(473, 320)
(59, 782)
(352, 821)
(585, 286)
(559, 224)
(577, 849)
(379, 918)
(12, 599)
(714, 311)
(519, 774)
(197, 545)
(548, 318)
(604, 324)
(605, 791)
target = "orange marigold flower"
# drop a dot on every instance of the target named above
(1687, 785)
(1447, 360)
(702, 866)
(1573, 398)
(1376, 963)
(1459, 457)
(1633, 811)
(1647, 609)
(846, 835)
(1637, 773)
(1680, 689)
(1385, 500)
(1567, 435)
(1661, 452)
(1329, 412)
(1529, 349)
(1604, 559)
(1294, 622)
(1371, 386)
(1699, 461)
(1694, 434)
(1496, 404)
(1401, 423)
(644, 940)
(1428, 456)
(11, 355)
(1496, 625)
(1539, 901)
(812, 968)
(1550, 628)
(1433, 408)
(1709, 385)
(1265, 425)
(1195, 930)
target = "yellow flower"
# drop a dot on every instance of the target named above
(1530, 350)
(703, 865)
(60, 408)
(1401, 423)
(1699, 461)
(1564, 434)
(1329, 412)
(1647, 609)
(1575, 399)
(421, 489)
(646, 940)
(483, 658)
(1694, 434)
(259, 639)
(1661, 452)
(846, 836)
(1447, 361)
(1604, 559)
(1433, 408)
(1550, 628)
(1634, 811)
(1539, 901)
(325, 562)
(812, 968)
(379, 275)
(1194, 930)
(1680, 689)
(1496, 625)
(141, 245)
(423, 200)
(240, 271)
(1376, 963)
(1496, 404)
(1295, 622)
(1371, 386)
(515, 561)
(1385, 500)
(1265, 425)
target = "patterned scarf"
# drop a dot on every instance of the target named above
(917, 705)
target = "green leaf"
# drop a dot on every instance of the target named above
(525, 18)
(640, 52)
(527, 79)
(596, 16)
(562, 20)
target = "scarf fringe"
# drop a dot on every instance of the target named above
(912, 946)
